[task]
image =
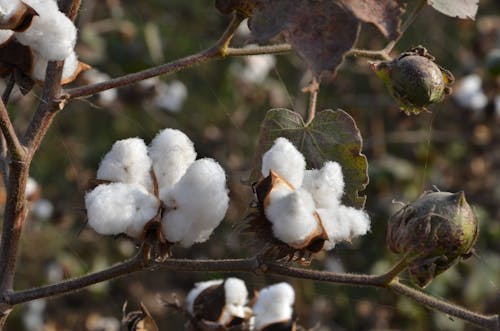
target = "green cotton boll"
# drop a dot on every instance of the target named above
(414, 80)
(433, 233)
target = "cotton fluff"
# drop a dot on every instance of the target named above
(127, 162)
(274, 304)
(120, 208)
(197, 203)
(70, 69)
(292, 216)
(198, 288)
(52, 34)
(236, 297)
(343, 223)
(172, 153)
(284, 159)
(171, 96)
(8, 8)
(5, 35)
(326, 184)
(469, 94)
(257, 68)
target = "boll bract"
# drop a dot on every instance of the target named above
(274, 307)
(302, 206)
(191, 196)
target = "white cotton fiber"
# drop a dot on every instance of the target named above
(127, 162)
(31, 187)
(120, 208)
(284, 159)
(292, 216)
(342, 223)
(172, 153)
(52, 34)
(8, 8)
(5, 35)
(198, 288)
(236, 297)
(71, 66)
(274, 304)
(198, 203)
(326, 185)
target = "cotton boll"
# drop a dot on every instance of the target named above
(8, 8)
(326, 185)
(359, 221)
(469, 94)
(32, 188)
(171, 96)
(274, 304)
(342, 223)
(236, 295)
(292, 217)
(198, 203)
(52, 34)
(105, 98)
(257, 68)
(120, 208)
(172, 153)
(284, 159)
(198, 288)
(127, 162)
(72, 67)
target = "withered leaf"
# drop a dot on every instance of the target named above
(456, 8)
(332, 135)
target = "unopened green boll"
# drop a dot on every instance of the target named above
(432, 234)
(414, 80)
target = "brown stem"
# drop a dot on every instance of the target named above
(490, 322)
(218, 50)
(313, 89)
(258, 50)
(15, 148)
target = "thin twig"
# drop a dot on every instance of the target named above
(218, 50)
(258, 50)
(16, 150)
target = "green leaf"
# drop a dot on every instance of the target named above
(332, 135)
(456, 8)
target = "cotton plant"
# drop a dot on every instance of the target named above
(48, 33)
(303, 207)
(161, 183)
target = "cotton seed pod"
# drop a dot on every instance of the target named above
(414, 79)
(433, 233)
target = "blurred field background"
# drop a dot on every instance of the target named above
(220, 105)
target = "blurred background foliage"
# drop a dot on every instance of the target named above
(220, 106)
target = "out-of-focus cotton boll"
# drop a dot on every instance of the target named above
(257, 68)
(198, 203)
(31, 187)
(292, 216)
(171, 96)
(5, 35)
(198, 288)
(469, 93)
(42, 209)
(52, 34)
(172, 153)
(105, 98)
(326, 184)
(127, 162)
(274, 304)
(284, 159)
(236, 296)
(120, 208)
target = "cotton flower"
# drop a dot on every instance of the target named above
(274, 305)
(120, 208)
(197, 203)
(304, 206)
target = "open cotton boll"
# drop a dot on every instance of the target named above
(120, 208)
(198, 288)
(274, 304)
(71, 67)
(359, 221)
(236, 296)
(198, 203)
(7, 9)
(127, 162)
(284, 159)
(292, 216)
(172, 153)
(326, 185)
(52, 34)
